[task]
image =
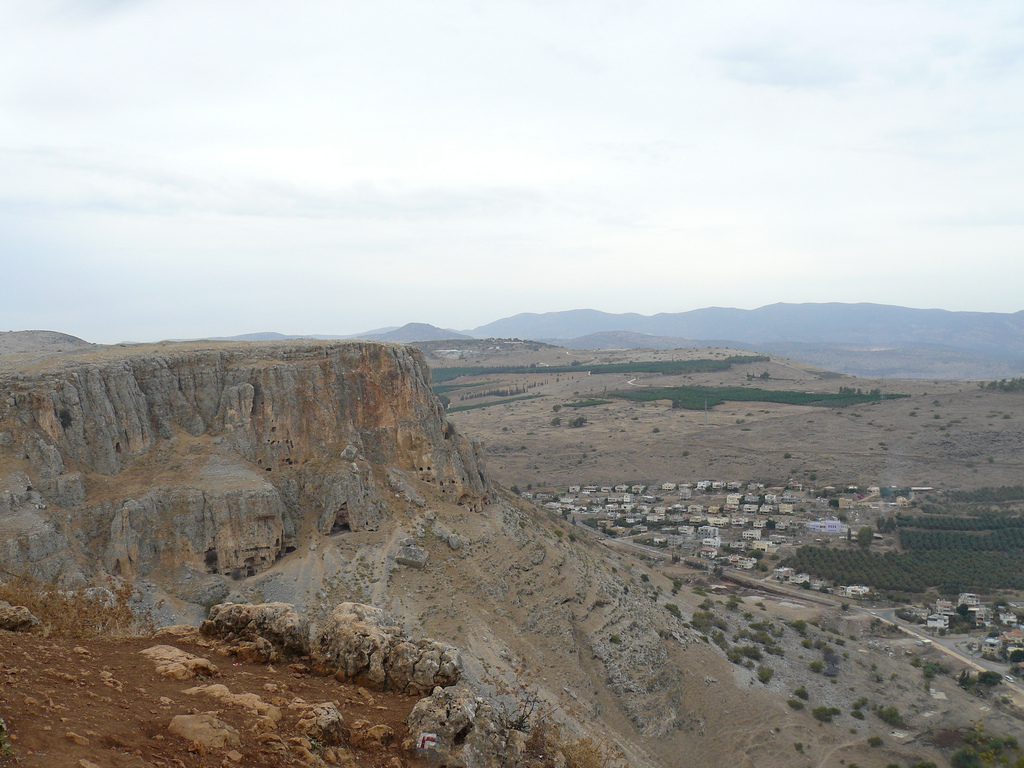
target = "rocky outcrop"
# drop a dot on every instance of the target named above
(470, 730)
(358, 643)
(216, 459)
(235, 533)
(16, 618)
(412, 556)
(277, 624)
(177, 664)
(205, 730)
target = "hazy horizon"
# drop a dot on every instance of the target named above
(176, 169)
(399, 324)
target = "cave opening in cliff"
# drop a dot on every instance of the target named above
(117, 447)
(341, 521)
(211, 559)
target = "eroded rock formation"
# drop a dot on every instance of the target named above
(357, 642)
(217, 460)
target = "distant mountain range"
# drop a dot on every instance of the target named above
(405, 334)
(862, 339)
(861, 324)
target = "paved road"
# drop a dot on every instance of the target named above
(948, 646)
(945, 645)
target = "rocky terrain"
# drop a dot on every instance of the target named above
(309, 504)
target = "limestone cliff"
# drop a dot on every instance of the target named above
(214, 461)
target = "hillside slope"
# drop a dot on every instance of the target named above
(318, 474)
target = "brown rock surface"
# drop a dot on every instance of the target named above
(206, 730)
(178, 664)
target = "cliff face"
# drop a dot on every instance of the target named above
(138, 461)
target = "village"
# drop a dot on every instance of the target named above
(731, 523)
(750, 527)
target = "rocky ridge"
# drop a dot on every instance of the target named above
(192, 467)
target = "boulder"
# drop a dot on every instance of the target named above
(249, 701)
(277, 623)
(470, 730)
(177, 664)
(16, 618)
(324, 723)
(412, 556)
(366, 736)
(359, 643)
(206, 730)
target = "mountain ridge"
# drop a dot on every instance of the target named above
(829, 323)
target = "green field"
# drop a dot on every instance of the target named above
(695, 398)
(667, 367)
(953, 554)
(475, 406)
(950, 571)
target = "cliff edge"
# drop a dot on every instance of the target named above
(192, 466)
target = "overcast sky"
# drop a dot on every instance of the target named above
(176, 169)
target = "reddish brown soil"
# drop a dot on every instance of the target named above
(61, 711)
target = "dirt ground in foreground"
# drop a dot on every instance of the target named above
(99, 702)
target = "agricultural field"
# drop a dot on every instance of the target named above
(949, 552)
(551, 417)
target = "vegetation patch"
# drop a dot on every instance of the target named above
(951, 572)
(953, 553)
(666, 367)
(78, 614)
(503, 401)
(695, 398)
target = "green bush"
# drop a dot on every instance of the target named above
(824, 714)
(891, 715)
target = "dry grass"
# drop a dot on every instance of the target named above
(547, 743)
(104, 612)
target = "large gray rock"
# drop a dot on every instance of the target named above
(471, 733)
(324, 723)
(411, 555)
(16, 618)
(276, 623)
(359, 643)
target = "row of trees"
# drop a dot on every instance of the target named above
(985, 522)
(951, 571)
(1005, 385)
(998, 494)
(1005, 540)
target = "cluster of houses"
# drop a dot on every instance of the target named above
(712, 519)
(971, 607)
(791, 576)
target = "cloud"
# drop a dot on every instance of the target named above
(780, 68)
(339, 164)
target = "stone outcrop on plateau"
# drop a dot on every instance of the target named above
(214, 461)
